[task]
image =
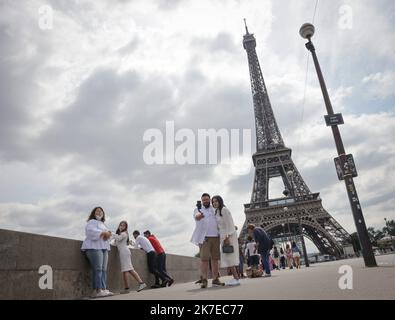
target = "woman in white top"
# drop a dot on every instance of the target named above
(121, 240)
(228, 236)
(96, 246)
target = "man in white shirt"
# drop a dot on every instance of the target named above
(252, 253)
(206, 236)
(143, 243)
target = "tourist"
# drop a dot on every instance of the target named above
(144, 244)
(121, 240)
(161, 255)
(271, 262)
(206, 236)
(96, 246)
(264, 244)
(288, 254)
(241, 260)
(251, 252)
(282, 258)
(276, 258)
(228, 239)
(296, 254)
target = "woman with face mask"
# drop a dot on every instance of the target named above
(96, 246)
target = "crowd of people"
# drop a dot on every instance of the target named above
(97, 245)
(216, 236)
(278, 258)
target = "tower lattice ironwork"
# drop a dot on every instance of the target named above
(299, 207)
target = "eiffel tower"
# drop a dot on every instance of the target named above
(299, 208)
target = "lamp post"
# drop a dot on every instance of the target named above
(344, 163)
(306, 258)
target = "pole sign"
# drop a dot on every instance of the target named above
(345, 166)
(334, 119)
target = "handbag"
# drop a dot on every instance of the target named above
(227, 248)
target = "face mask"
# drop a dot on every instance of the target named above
(99, 217)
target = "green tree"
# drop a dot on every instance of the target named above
(389, 229)
(375, 235)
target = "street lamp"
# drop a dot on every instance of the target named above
(306, 258)
(345, 166)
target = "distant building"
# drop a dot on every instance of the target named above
(348, 251)
(386, 244)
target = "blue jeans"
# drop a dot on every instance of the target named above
(98, 260)
(265, 261)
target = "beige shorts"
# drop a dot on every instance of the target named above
(296, 255)
(210, 248)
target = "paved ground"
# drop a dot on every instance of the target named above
(320, 281)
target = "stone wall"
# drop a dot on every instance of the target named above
(22, 254)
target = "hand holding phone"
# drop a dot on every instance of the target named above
(199, 206)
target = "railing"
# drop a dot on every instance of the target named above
(282, 201)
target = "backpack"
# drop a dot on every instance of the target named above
(254, 272)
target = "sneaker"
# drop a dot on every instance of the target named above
(199, 281)
(217, 282)
(101, 293)
(124, 291)
(141, 287)
(204, 284)
(171, 281)
(155, 286)
(108, 292)
(233, 282)
(94, 294)
(267, 275)
(164, 283)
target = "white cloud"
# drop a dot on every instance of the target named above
(381, 84)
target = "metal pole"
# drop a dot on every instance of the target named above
(367, 252)
(306, 259)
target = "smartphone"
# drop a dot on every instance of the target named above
(199, 204)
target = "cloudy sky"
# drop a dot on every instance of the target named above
(77, 96)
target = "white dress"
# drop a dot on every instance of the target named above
(226, 227)
(120, 241)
